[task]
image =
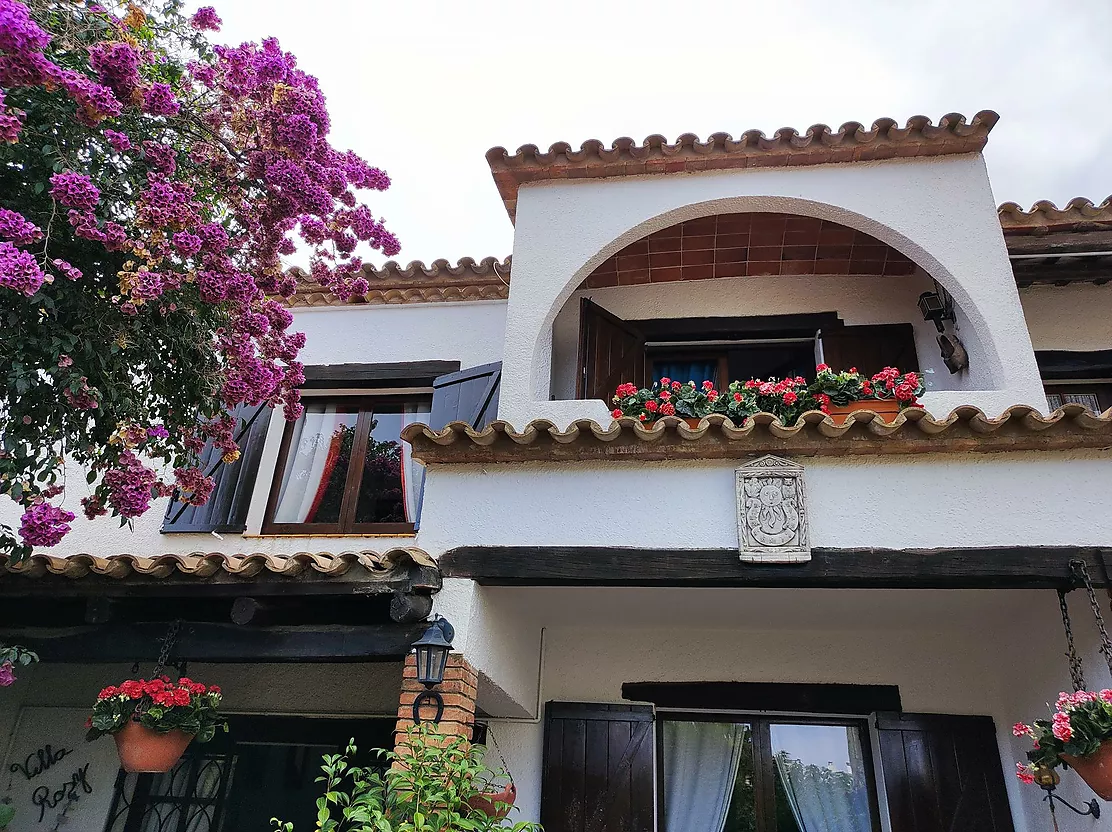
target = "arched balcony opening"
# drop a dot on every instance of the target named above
(734, 296)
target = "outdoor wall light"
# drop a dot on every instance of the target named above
(937, 307)
(432, 651)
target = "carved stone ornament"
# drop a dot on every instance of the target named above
(772, 512)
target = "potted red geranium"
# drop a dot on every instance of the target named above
(886, 393)
(154, 721)
(1078, 736)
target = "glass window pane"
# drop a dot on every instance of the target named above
(1090, 400)
(390, 489)
(821, 781)
(316, 469)
(708, 777)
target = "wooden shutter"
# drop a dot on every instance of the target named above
(611, 352)
(466, 396)
(943, 773)
(226, 509)
(870, 348)
(598, 768)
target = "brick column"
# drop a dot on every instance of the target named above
(458, 691)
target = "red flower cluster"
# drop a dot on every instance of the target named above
(160, 690)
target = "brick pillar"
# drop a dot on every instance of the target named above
(458, 691)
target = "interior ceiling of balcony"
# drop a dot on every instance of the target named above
(750, 244)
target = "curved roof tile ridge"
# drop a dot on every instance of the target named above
(1045, 215)
(819, 144)
(967, 429)
(440, 280)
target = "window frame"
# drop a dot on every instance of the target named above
(1101, 389)
(764, 788)
(364, 406)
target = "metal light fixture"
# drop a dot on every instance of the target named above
(432, 651)
(935, 307)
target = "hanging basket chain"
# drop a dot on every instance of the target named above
(1077, 675)
(168, 642)
(1077, 567)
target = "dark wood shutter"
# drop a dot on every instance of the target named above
(226, 509)
(870, 348)
(469, 396)
(611, 352)
(598, 768)
(943, 773)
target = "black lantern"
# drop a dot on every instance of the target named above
(936, 307)
(432, 651)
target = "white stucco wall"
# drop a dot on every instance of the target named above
(939, 212)
(898, 502)
(1069, 317)
(975, 651)
(858, 300)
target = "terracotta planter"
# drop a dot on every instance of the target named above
(494, 805)
(692, 423)
(1095, 769)
(887, 409)
(143, 751)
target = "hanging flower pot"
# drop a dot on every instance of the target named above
(153, 721)
(1095, 769)
(143, 750)
(495, 805)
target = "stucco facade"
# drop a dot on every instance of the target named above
(986, 640)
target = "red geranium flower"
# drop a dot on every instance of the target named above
(651, 406)
(668, 409)
(790, 397)
(616, 413)
(664, 382)
(708, 385)
(737, 397)
(665, 395)
(822, 367)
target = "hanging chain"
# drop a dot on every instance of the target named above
(168, 643)
(498, 751)
(1078, 566)
(1076, 673)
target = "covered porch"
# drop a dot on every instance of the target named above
(726, 708)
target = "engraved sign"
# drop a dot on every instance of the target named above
(772, 512)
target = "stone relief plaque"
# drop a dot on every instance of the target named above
(772, 512)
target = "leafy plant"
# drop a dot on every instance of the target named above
(160, 705)
(12, 657)
(787, 399)
(427, 788)
(1080, 723)
(150, 183)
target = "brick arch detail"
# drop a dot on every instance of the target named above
(749, 245)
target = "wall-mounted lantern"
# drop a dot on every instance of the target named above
(936, 307)
(432, 651)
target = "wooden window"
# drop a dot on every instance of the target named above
(1096, 396)
(1077, 377)
(741, 773)
(343, 469)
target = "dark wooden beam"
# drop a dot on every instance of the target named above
(1059, 242)
(408, 373)
(211, 642)
(407, 608)
(1017, 567)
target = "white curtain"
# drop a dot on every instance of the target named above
(308, 463)
(826, 798)
(701, 761)
(413, 472)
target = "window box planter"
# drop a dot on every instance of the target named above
(1095, 769)
(887, 409)
(146, 751)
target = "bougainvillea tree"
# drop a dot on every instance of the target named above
(150, 184)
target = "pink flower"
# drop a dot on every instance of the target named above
(1025, 773)
(1061, 727)
(6, 675)
(1106, 695)
(205, 18)
(1021, 730)
(822, 368)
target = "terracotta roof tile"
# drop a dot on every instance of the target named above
(216, 566)
(852, 142)
(1079, 214)
(487, 279)
(965, 430)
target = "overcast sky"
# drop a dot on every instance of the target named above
(424, 88)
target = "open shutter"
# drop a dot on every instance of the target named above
(598, 768)
(611, 352)
(870, 348)
(469, 395)
(943, 773)
(226, 509)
